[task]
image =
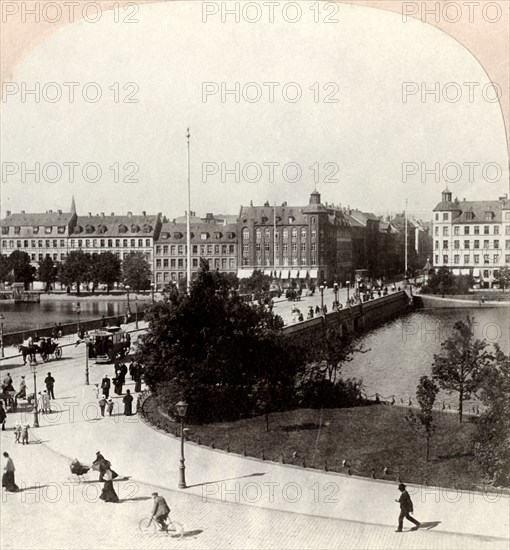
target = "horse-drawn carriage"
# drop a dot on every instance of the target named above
(8, 396)
(108, 344)
(45, 347)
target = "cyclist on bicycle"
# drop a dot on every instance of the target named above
(160, 511)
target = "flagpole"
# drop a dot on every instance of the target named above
(405, 216)
(274, 239)
(188, 220)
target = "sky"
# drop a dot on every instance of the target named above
(365, 148)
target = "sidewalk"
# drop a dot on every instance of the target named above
(152, 458)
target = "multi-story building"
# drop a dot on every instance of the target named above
(212, 239)
(39, 235)
(299, 244)
(120, 234)
(472, 237)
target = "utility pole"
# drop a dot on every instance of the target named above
(405, 217)
(188, 219)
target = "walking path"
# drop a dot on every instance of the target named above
(231, 501)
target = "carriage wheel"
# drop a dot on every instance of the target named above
(44, 357)
(58, 353)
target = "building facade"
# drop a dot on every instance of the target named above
(472, 237)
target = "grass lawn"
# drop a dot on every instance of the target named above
(371, 437)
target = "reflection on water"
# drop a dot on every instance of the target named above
(403, 350)
(27, 316)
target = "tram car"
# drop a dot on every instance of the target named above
(108, 344)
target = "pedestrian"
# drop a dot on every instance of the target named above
(100, 464)
(22, 394)
(54, 332)
(103, 322)
(300, 318)
(7, 383)
(102, 405)
(17, 433)
(3, 416)
(8, 480)
(105, 386)
(110, 407)
(138, 380)
(46, 402)
(97, 390)
(40, 403)
(310, 313)
(128, 403)
(406, 508)
(60, 332)
(50, 381)
(317, 310)
(325, 309)
(24, 434)
(108, 493)
(118, 383)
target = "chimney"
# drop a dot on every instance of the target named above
(129, 214)
(90, 214)
(8, 213)
(112, 214)
(102, 214)
(251, 203)
(22, 211)
(59, 211)
(49, 212)
(208, 217)
(144, 213)
(266, 203)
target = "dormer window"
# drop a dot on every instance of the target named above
(35, 229)
(61, 229)
(147, 228)
(135, 228)
(101, 229)
(204, 236)
(231, 235)
(218, 235)
(17, 230)
(292, 219)
(489, 216)
(165, 235)
(89, 229)
(5, 230)
(48, 229)
(122, 229)
(178, 235)
(264, 219)
(78, 229)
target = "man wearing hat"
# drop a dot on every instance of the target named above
(160, 511)
(406, 508)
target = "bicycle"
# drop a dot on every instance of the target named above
(149, 525)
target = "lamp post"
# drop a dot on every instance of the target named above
(152, 291)
(127, 287)
(182, 408)
(335, 288)
(78, 311)
(347, 284)
(321, 288)
(2, 319)
(136, 312)
(33, 368)
(87, 342)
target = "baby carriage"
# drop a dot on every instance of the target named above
(79, 469)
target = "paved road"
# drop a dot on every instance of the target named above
(232, 502)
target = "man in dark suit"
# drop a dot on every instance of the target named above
(105, 386)
(406, 508)
(50, 382)
(160, 511)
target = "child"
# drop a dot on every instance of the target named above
(110, 407)
(17, 433)
(24, 434)
(96, 389)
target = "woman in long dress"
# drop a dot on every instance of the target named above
(108, 493)
(128, 403)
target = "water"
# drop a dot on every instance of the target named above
(45, 314)
(403, 350)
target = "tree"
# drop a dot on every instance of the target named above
(5, 268)
(492, 436)
(20, 265)
(445, 282)
(457, 367)
(216, 351)
(47, 272)
(136, 271)
(76, 269)
(504, 277)
(106, 269)
(258, 283)
(423, 421)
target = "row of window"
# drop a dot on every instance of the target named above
(285, 234)
(181, 249)
(61, 229)
(121, 229)
(475, 243)
(34, 244)
(476, 259)
(269, 262)
(62, 256)
(467, 229)
(488, 216)
(203, 236)
(181, 263)
(94, 243)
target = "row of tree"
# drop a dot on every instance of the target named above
(443, 281)
(78, 268)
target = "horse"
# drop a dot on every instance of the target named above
(29, 351)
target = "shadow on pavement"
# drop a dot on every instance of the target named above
(429, 525)
(135, 499)
(192, 533)
(223, 480)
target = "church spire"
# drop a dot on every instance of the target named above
(73, 206)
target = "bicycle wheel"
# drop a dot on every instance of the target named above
(147, 526)
(58, 353)
(175, 529)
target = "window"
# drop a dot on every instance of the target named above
(445, 231)
(17, 230)
(294, 247)
(477, 230)
(34, 244)
(303, 247)
(485, 229)
(40, 243)
(245, 250)
(496, 230)
(456, 230)
(285, 248)
(245, 234)
(172, 250)
(314, 260)
(62, 243)
(486, 244)
(147, 242)
(217, 235)
(223, 263)
(35, 229)
(445, 259)
(173, 263)
(466, 230)
(507, 244)
(436, 245)
(437, 259)
(285, 234)
(209, 249)
(496, 243)
(231, 262)
(466, 244)
(231, 249)
(456, 259)
(313, 221)
(507, 215)
(180, 249)
(258, 234)
(445, 216)
(217, 248)
(507, 258)
(158, 262)
(124, 243)
(223, 248)
(313, 234)
(25, 244)
(445, 244)
(486, 259)
(436, 230)
(48, 229)
(180, 263)
(267, 234)
(456, 244)
(303, 233)
(266, 247)
(303, 260)
(437, 217)
(313, 247)
(165, 262)
(140, 242)
(18, 244)
(194, 249)
(87, 243)
(466, 259)
(496, 258)
(195, 262)
(79, 243)
(101, 243)
(110, 243)
(488, 216)
(477, 244)
(294, 233)
(204, 236)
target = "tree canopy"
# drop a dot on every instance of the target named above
(136, 271)
(227, 358)
(105, 269)
(76, 269)
(48, 271)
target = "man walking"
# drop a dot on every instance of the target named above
(50, 381)
(160, 511)
(105, 386)
(406, 508)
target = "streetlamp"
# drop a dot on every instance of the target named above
(335, 288)
(33, 368)
(78, 311)
(152, 291)
(127, 287)
(182, 408)
(87, 342)
(321, 288)
(2, 319)
(136, 312)
(347, 283)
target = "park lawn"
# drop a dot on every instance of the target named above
(369, 437)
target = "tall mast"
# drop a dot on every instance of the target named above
(405, 217)
(274, 239)
(188, 220)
